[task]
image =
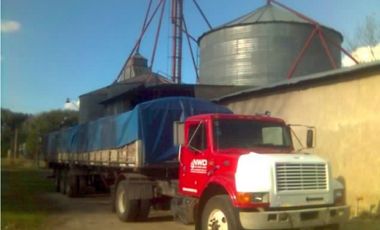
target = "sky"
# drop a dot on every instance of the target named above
(53, 50)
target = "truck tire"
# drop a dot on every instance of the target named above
(144, 208)
(126, 208)
(219, 213)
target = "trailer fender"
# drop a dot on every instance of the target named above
(138, 192)
(139, 186)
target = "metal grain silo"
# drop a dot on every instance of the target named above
(261, 47)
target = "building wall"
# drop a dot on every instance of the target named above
(346, 116)
(90, 107)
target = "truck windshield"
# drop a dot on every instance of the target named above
(234, 133)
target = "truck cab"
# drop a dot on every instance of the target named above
(245, 174)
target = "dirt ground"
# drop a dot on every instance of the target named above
(94, 212)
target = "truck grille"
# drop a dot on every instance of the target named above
(300, 177)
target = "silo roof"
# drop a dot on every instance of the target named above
(267, 13)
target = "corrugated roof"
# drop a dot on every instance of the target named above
(148, 79)
(341, 73)
(267, 13)
(145, 80)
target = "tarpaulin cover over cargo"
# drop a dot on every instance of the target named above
(151, 122)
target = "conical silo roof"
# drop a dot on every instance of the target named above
(267, 13)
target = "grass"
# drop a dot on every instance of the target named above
(22, 206)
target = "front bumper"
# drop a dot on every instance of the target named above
(301, 218)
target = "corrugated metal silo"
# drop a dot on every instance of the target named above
(260, 48)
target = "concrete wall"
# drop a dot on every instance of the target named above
(346, 114)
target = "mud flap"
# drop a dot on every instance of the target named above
(183, 209)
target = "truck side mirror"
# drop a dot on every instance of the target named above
(179, 133)
(310, 138)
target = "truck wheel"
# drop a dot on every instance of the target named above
(219, 214)
(144, 208)
(126, 208)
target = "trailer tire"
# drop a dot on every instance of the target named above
(127, 209)
(144, 209)
(219, 213)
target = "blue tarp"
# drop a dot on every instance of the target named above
(151, 122)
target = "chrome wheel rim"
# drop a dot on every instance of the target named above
(217, 220)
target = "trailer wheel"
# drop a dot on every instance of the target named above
(144, 208)
(127, 209)
(219, 214)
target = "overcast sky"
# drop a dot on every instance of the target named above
(53, 50)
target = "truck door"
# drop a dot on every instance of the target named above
(194, 159)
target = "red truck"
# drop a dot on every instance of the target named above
(229, 172)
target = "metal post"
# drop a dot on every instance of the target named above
(177, 17)
(157, 36)
(191, 49)
(300, 55)
(137, 44)
(326, 48)
(203, 14)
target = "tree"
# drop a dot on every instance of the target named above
(40, 125)
(366, 35)
(11, 126)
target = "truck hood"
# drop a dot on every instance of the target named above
(257, 173)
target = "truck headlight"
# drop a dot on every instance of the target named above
(339, 197)
(253, 198)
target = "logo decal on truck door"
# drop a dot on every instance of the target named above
(198, 166)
